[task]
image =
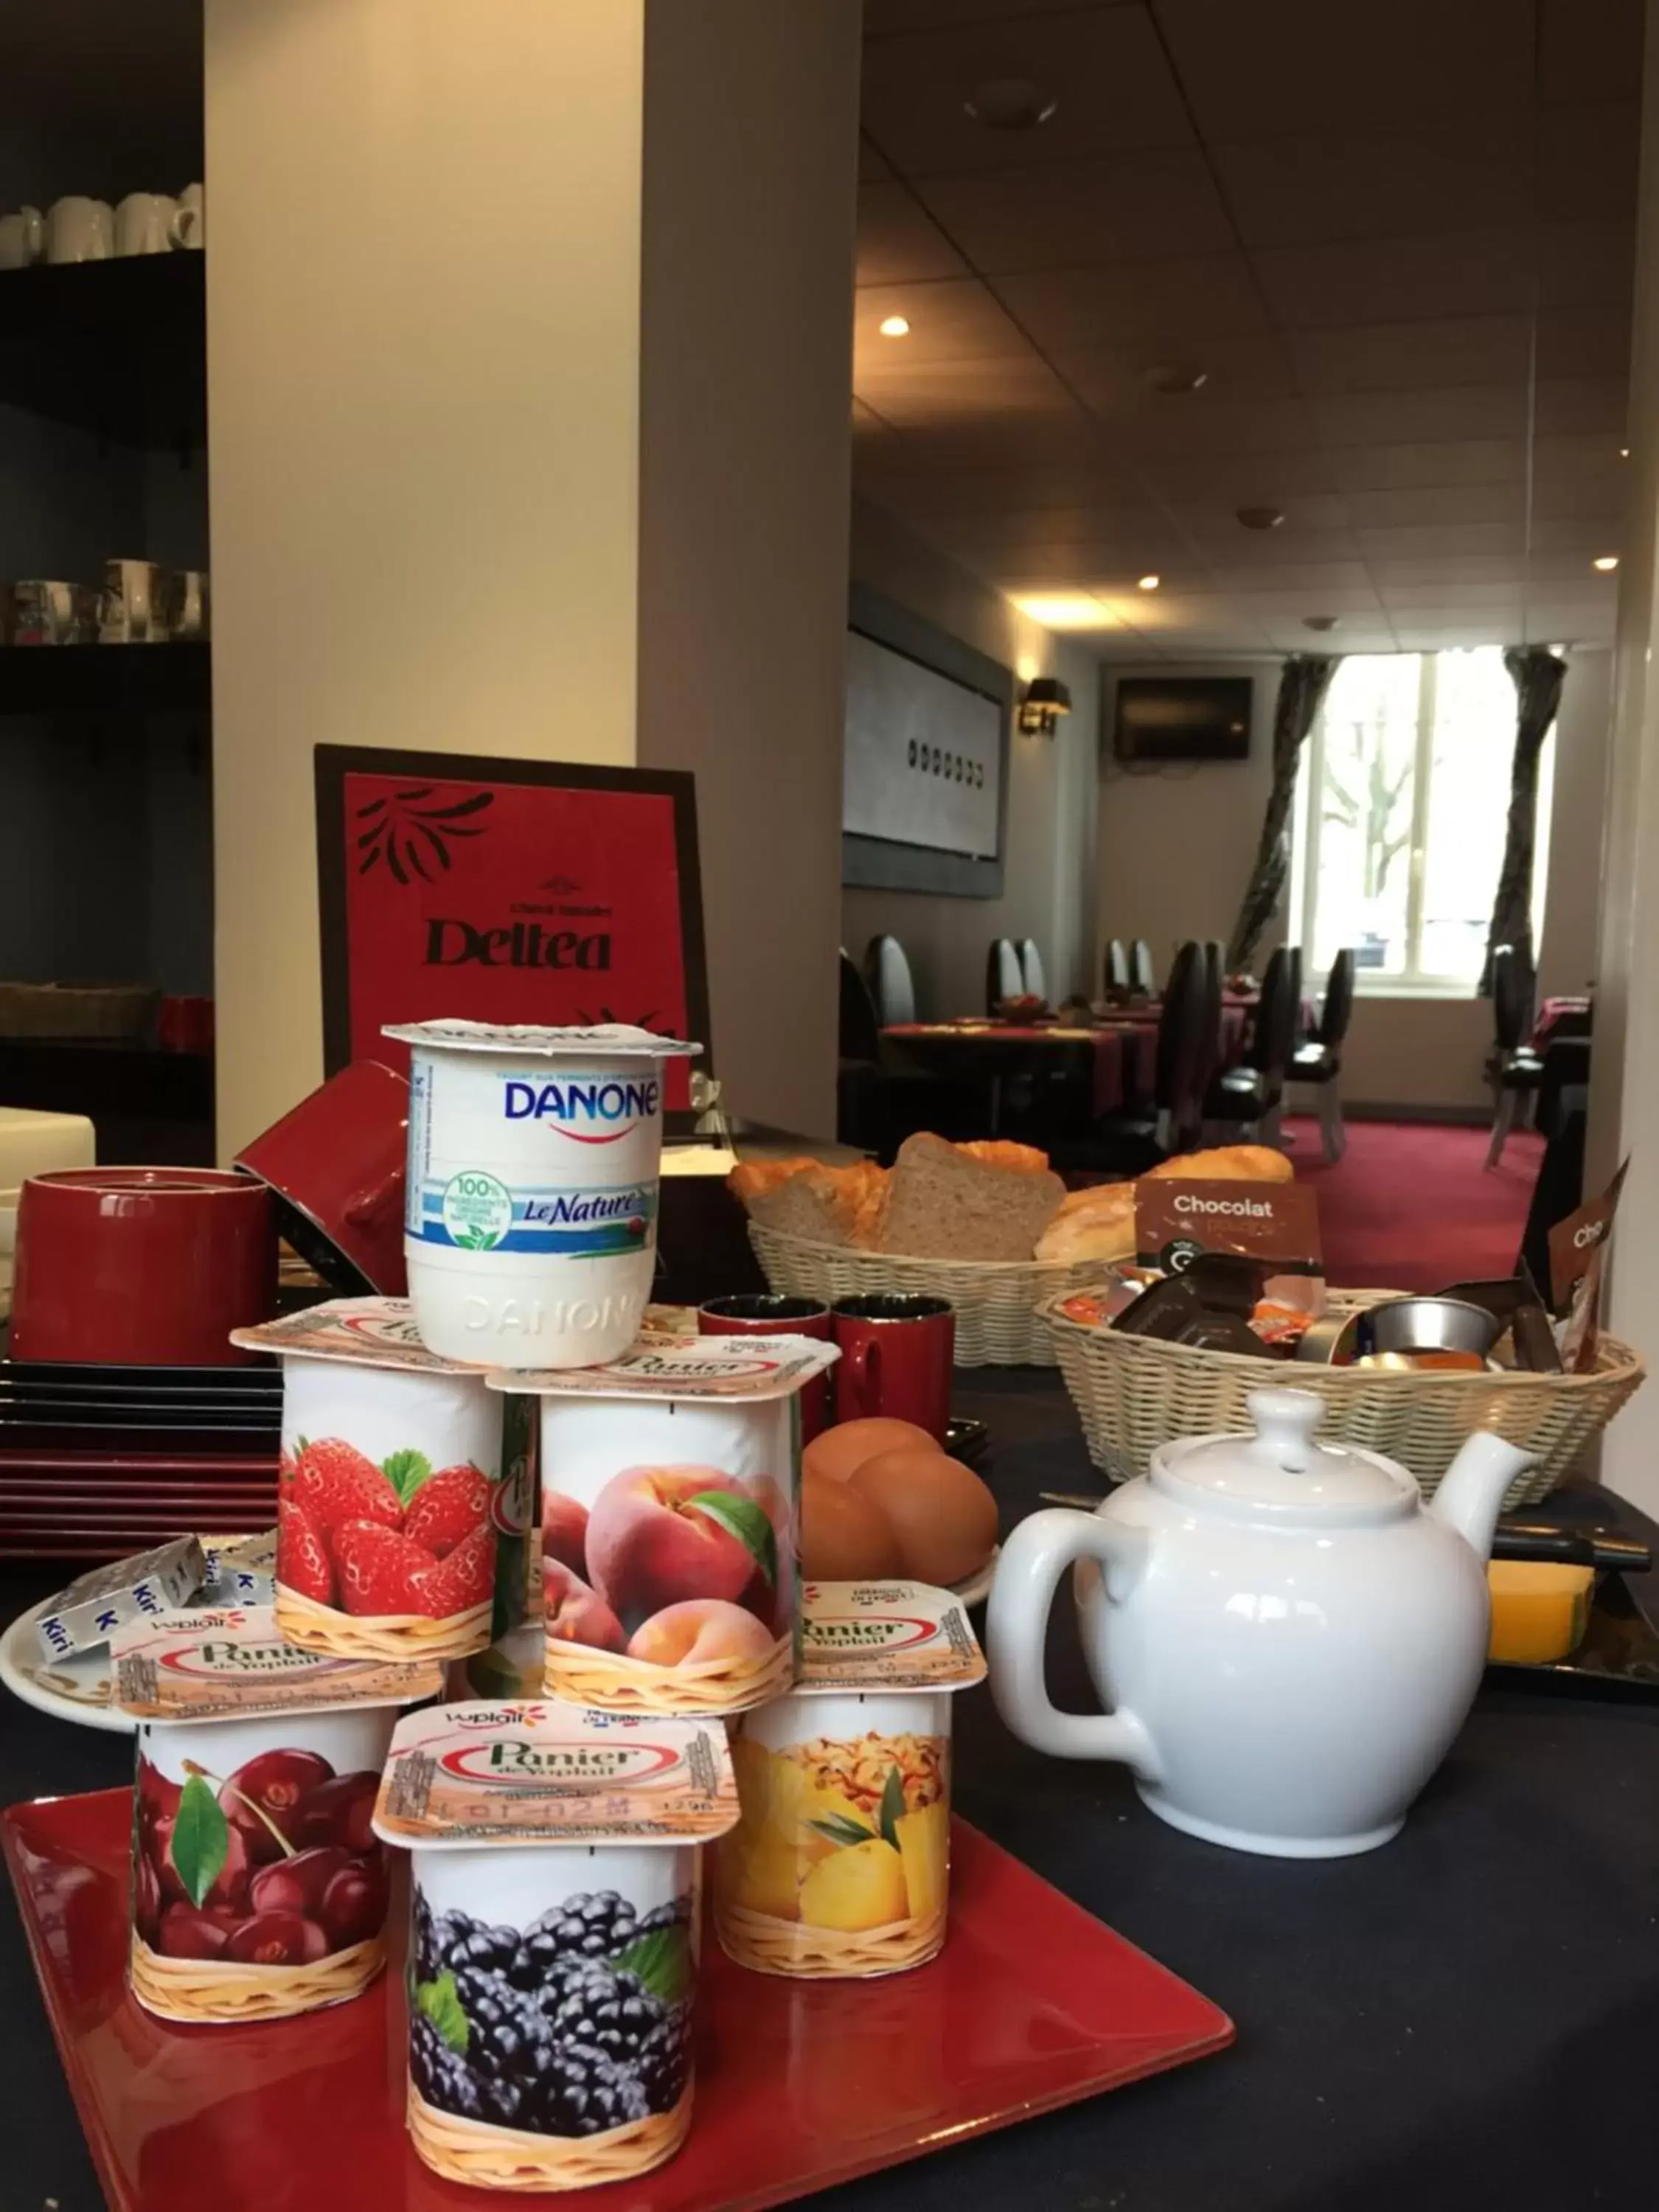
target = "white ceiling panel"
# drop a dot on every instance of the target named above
(1178, 304)
(1444, 539)
(1456, 575)
(956, 320)
(1585, 264)
(950, 392)
(1112, 379)
(1261, 70)
(1588, 49)
(1465, 272)
(883, 17)
(1156, 205)
(1315, 580)
(1405, 356)
(1215, 426)
(1406, 467)
(1472, 174)
(1217, 517)
(1427, 505)
(1574, 623)
(1236, 480)
(1386, 418)
(1587, 159)
(1580, 406)
(1422, 599)
(1584, 342)
(1105, 65)
(898, 241)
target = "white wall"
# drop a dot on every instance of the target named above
(423, 354)
(745, 460)
(1048, 883)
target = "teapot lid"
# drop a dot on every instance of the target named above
(1279, 1471)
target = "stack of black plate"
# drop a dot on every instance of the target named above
(96, 1462)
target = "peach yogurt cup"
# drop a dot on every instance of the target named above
(670, 1481)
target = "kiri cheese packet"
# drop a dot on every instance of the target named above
(240, 1570)
(87, 1612)
(546, 1772)
(876, 1637)
(232, 1663)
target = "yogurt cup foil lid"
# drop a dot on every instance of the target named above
(885, 1637)
(365, 1332)
(545, 1772)
(606, 1041)
(728, 1368)
(232, 1664)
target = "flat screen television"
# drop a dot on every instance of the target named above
(1183, 718)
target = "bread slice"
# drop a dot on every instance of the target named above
(815, 1202)
(943, 1205)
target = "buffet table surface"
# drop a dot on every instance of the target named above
(1469, 2016)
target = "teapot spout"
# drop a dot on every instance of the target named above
(1471, 1493)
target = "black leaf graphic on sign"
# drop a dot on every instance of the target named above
(592, 1021)
(414, 826)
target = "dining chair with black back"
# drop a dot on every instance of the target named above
(1513, 1070)
(1003, 979)
(1143, 976)
(887, 972)
(1129, 1142)
(1116, 973)
(1250, 1096)
(1318, 1058)
(859, 1117)
(1030, 970)
(1213, 969)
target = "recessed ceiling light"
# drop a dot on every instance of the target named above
(1175, 383)
(1066, 609)
(894, 326)
(1321, 622)
(1624, 452)
(1148, 583)
(1261, 518)
(1607, 562)
(1011, 103)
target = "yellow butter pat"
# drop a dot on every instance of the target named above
(1539, 1611)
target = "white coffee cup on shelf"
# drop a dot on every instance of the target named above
(43, 611)
(185, 603)
(79, 229)
(189, 225)
(144, 223)
(132, 603)
(21, 238)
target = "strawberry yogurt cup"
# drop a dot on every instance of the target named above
(389, 1502)
(531, 1224)
(839, 1869)
(554, 1890)
(258, 1886)
(670, 1481)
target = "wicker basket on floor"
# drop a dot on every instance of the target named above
(997, 1302)
(1134, 1393)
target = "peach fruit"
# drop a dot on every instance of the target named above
(650, 1546)
(564, 1530)
(576, 1615)
(697, 1630)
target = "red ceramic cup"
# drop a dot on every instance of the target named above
(768, 1315)
(895, 1359)
(337, 1163)
(142, 1267)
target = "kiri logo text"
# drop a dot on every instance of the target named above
(595, 1113)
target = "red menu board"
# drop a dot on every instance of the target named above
(506, 892)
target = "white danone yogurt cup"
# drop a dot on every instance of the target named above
(259, 1888)
(554, 1940)
(839, 1869)
(530, 1232)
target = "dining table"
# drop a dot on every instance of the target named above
(1102, 1065)
(1465, 2017)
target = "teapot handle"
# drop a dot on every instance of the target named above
(1031, 1564)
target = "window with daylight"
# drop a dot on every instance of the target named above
(1402, 806)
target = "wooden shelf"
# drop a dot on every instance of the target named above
(116, 347)
(106, 680)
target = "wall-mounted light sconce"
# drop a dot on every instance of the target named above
(1046, 700)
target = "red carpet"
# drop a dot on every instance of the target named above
(1409, 1205)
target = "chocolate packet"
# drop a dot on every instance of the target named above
(1577, 1249)
(1177, 1219)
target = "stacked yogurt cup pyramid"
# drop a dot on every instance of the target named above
(512, 1483)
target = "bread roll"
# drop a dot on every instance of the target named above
(1097, 1224)
(752, 1179)
(1003, 1153)
(1228, 1164)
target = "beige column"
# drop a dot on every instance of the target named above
(425, 341)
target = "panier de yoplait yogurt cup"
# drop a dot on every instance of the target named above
(553, 1945)
(840, 1867)
(259, 1886)
(389, 1502)
(670, 1481)
(531, 1225)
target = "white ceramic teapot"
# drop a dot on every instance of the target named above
(1287, 1636)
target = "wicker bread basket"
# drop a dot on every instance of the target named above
(997, 1302)
(1133, 1393)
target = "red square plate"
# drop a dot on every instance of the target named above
(1033, 2004)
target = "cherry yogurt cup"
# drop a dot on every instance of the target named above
(258, 1886)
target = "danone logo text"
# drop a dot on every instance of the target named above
(595, 1112)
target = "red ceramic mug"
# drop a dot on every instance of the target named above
(895, 1359)
(142, 1267)
(336, 1164)
(777, 1315)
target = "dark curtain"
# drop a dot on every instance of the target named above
(1302, 689)
(1538, 677)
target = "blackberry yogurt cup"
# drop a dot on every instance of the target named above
(553, 1946)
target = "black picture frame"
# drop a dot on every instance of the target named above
(334, 764)
(878, 863)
